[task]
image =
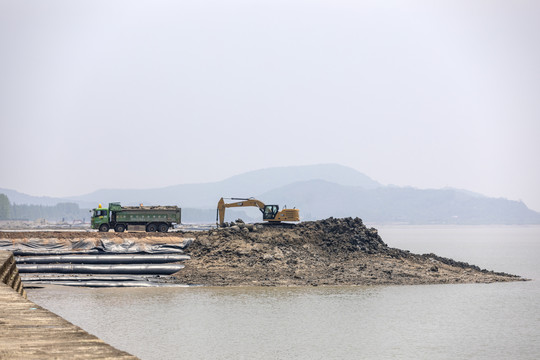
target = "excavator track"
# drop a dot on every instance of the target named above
(277, 225)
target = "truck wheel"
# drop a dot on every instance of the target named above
(120, 228)
(163, 228)
(151, 228)
(104, 228)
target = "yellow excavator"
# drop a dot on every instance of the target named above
(270, 212)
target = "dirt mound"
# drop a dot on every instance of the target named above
(325, 252)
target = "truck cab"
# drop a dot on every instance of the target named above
(100, 219)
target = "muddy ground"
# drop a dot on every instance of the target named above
(325, 252)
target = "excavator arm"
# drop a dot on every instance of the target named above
(245, 202)
(270, 212)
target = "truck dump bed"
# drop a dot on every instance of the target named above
(130, 214)
(159, 207)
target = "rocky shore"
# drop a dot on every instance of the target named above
(325, 252)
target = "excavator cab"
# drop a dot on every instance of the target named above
(270, 212)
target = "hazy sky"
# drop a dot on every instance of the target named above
(141, 94)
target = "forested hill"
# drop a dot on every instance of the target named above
(67, 212)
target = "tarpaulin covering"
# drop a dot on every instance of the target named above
(50, 246)
(96, 260)
(146, 269)
(102, 259)
(32, 280)
(88, 277)
(98, 283)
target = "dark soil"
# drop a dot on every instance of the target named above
(325, 252)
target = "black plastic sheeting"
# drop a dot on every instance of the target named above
(80, 262)
(103, 259)
(35, 280)
(146, 269)
(36, 246)
(102, 284)
(87, 277)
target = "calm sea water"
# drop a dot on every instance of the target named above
(471, 321)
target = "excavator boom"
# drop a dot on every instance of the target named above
(270, 212)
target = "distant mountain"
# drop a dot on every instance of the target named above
(20, 198)
(319, 191)
(321, 199)
(249, 184)
(259, 181)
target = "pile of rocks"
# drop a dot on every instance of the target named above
(325, 252)
(240, 225)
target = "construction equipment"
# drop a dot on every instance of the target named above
(270, 212)
(142, 218)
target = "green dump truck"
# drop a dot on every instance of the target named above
(135, 218)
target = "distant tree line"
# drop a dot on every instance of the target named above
(5, 207)
(59, 212)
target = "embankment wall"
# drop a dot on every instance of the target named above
(9, 274)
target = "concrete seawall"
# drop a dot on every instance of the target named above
(9, 274)
(28, 331)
